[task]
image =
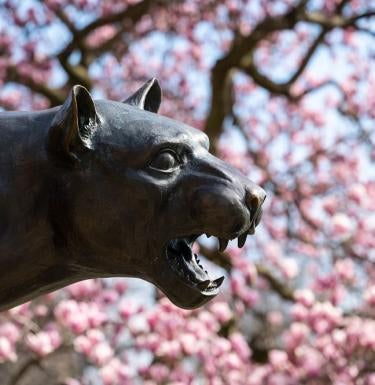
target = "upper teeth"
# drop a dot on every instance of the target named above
(223, 243)
(242, 240)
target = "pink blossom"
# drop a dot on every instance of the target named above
(101, 353)
(78, 322)
(330, 204)
(109, 374)
(299, 312)
(21, 310)
(357, 192)
(288, 267)
(121, 286)
(305, 297)
(189, 343)
(296, 335)
(220, 346)
(237, 283)
(41, 310)
(339, 337)
(95, 316)
(109, 296)
(209, 322)
(83, 344)
(250, 297)
(169, 349)
(221, 311)
(44, 342)
(257, 375)
(273, 251)
(7, 351)
(79, 316)
(127, 308)
(369, 295)
(278, 359)
(275, 318)
(310, 360)
(65, 309)
(95, 336)
(248, 269)
(231, 361)
(345, 270)
(371, 379)
(150, 342)
(278, 379)
(84, 288)
(324, 317)
(100, 35)
(240, 346)
(10, 331)
(159, 372)
(137, 326)
(342, 225)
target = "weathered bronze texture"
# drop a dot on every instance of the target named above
(104, 189)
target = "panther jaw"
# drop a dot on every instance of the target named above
(186, 265)
(188, 274)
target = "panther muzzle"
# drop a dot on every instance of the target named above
(229, 209)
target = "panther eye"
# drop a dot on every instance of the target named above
(164, 161)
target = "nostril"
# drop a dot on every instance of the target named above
(261, 195)
(254, 200)
(254, 203)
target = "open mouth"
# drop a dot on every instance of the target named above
(181, 275)
(188, 268)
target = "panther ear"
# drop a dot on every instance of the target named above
(148, 97)
(73, 127)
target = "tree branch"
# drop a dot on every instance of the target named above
(241, 46)
(249, 67)
(335, 21)
(310, 52)
(29, 363)
(65, 20)
(55, 96)
(241, 55)
(132, 13)
(276, 284)
(79, 73)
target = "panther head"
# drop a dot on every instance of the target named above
(140, 188)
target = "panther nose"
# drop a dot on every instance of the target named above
(255, 197)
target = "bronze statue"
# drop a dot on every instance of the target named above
(103, 189)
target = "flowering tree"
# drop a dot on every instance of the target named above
(286, 91)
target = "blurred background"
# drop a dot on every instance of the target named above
(286, 92)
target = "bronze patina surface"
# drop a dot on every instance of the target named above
(102, 189)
